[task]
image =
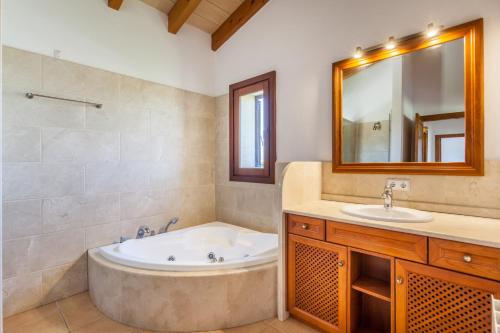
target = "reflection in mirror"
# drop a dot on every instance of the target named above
(252, 130)
(408, 108)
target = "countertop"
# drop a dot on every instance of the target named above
(461, 228)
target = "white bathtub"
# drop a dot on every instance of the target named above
(190, 247)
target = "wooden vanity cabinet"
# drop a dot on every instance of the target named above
(316, 282)
(431, 299)
(349, 278)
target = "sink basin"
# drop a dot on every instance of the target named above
(394, 214)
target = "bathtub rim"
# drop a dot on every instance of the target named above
(94, 253)
(105, 252)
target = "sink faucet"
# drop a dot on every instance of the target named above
(387, 196)
(144, 231)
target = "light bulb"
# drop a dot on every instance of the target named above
(358, 53)
(391, 43)
(432, 30)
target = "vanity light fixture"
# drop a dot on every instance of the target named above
(391, 43)
(432, 30)
(358, 53)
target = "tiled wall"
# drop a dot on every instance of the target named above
(477, 196)
(249, 205)
(78, 177)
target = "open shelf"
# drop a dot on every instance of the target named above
(374, 287)
(370, 292)
(373, 315)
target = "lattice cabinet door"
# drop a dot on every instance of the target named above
(317, 273)
(434, 300)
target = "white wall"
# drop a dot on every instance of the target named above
(301, 39)
(133, 41)
(367, 95)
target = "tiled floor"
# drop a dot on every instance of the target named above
(77, 314)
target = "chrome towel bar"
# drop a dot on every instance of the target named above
(30, 95)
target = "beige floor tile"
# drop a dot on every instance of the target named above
(260, 327)
(78, 311)
(291, 326)
(106, 325)
(45, 319)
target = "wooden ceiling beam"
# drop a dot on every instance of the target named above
(180, 13)
(115, 4)
(234, 22)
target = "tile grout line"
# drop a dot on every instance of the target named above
(61, 313)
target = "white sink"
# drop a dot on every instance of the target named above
(394, 214)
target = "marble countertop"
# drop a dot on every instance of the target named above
(461, 228)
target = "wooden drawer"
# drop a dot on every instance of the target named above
(306, 226)
(391, 243)
(467, 258)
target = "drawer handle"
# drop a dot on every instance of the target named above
(305, 226)
(399, 280)
(467, 258)
(341, 263)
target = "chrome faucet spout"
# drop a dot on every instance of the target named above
(172, 221)
(387, 195)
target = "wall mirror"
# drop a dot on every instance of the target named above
(414, 106)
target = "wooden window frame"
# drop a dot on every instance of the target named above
(266, 82)
(472, 33)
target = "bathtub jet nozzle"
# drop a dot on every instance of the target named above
(212, 258)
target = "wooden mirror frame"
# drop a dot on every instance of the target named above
(472, 32)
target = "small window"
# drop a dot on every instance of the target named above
(252, 129)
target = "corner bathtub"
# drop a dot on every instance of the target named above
(188, 249)
(135, 283)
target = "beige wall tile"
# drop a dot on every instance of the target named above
(66, 145)
(20, 111)
(15, 256)
(64, 281)
(21, 293)
(103, 234)
(145, 203)
(71, 80)
(80, 211)
(114, 117)
(21, 219)
(35, 180)
(21, 144)
(56, 249)
(102, 177)
(136, 146)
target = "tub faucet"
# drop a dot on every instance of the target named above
(172, 221)
(144, 231)
(387, 196)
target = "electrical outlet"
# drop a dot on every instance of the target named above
(398, 184)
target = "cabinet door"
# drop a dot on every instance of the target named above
(317, 273)
(436, 300)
